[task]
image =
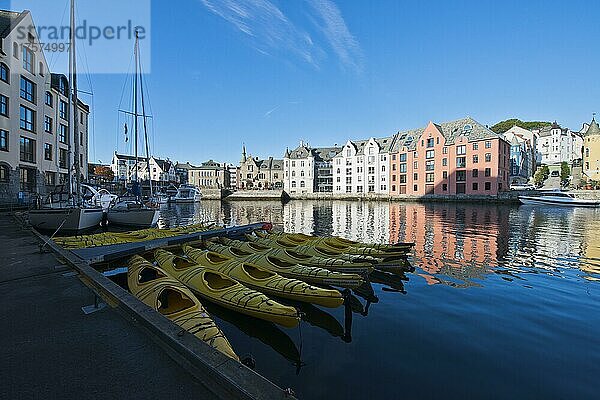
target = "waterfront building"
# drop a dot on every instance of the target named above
(457, 157)
(522, 154)
(557, 144)
(35, 115)
(181, 172)
(255, 173)
(124, 166)
(591, 152)
(363, 166)
(234, 171)
(309, 170)
(210, 175)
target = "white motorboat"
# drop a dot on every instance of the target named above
(187, 194)
(131, 212)
(98, 197)
(558, 198)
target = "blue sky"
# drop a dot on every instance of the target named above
(270, 73)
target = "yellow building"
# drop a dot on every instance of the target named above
(591, 152)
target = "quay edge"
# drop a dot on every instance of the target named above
(224, 377)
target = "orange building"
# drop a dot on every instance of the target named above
(458, 157)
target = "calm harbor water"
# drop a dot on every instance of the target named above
(503, 302)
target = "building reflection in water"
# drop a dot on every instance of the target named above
(456, 244)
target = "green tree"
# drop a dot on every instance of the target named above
(505, 125)
(541, 175)
(565, 172)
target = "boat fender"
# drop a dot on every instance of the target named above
(267, 227)
(249, 361)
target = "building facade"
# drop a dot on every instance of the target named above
(309, 170)
(591, 152)
(181, 172)
(522, 154)
(363, 167)
(210, 175)
(457, 157)
(124, 169)
(255, 173)
(234, 171)
(556, 145)
(35, 115)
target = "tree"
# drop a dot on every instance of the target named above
(104, 172)
(541, 175)
(565, 172)
(503, 126)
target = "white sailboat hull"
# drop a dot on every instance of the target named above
(67, 219)
(142, 218)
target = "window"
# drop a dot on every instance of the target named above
(393, 167)
(302, 184)
(349, 189)
(64, 114)
(460, 150)
(47, 152)
(348, 180)
(27, 90)
(445, 150)
(475, 146)
(445, 187)
(430, 154)
(461, 162)
(49, 99)
(475, 186)
(429, 178)
(62, 158)
(27, 150)
(461, 176)
(475, 173)
(415, 176)
(3, 140)
(488, 157)
(415, 154)
(301, 162)
(302, 173)
(430, 142)
(444, 162)
(445, 175)
(402, 168)
(28, 59)
(415, 188)
(4, 173)
(371, 170)
(27, 119)
(393, 157)
(415, 165)
(488, 172)
(429, 165)
(393, 188)
(293, 184)
(3, 105)
(488, 144)
(403, 157)
(63, 135)
(394, 178)
(42, 68)
(27, 179)
(371, 159)
(488, 186)
(359, 189)
(475, 159)
(348, 152)
(383, 168)
(47, 124)
(402, 178)
(4, 73)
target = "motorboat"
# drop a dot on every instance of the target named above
(98, 197)
(558, 198)
(130, 211)
(187, 194)
(59, 213)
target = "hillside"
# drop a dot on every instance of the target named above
(503, 126)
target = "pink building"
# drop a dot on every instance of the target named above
(458, 157)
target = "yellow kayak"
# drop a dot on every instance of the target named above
(263, 280)
(173, 300)
(295, 257)
(292, 270)
(323, 242)
(336, 242)
(225, 291)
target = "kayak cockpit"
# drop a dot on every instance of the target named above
(217, 281)
(257, 273)
(148, 274)
(171, 301)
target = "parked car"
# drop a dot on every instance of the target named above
(555, 174)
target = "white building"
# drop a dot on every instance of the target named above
(35, 115)
(123, 166)
(363, 167)
(309, 170)
(233, 174)
(556, 144)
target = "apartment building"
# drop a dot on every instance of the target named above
(255, 173)
(363, 166)
(210, 175)
(181, 172)
(457, 157)
(557, 144)
(309, 170)
(234, 171)
(124, 168)
(35, 115)
(591, 152)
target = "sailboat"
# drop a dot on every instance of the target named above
(67, 211)
(129, 209)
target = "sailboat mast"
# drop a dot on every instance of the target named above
(144, 123)
(135, 106)
(74, 101)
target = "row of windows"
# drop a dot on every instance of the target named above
(461, 162)
(429, 177)
(460, 187)
(359, 189)
(460, 150)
